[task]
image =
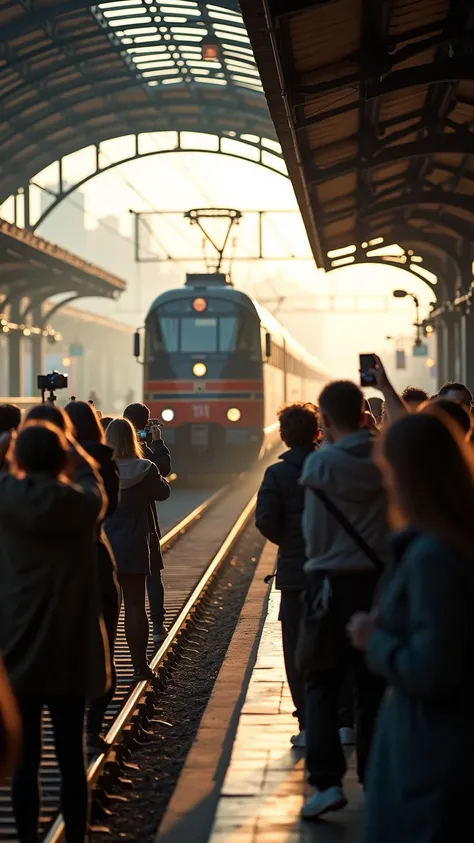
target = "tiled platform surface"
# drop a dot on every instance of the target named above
(265, 787)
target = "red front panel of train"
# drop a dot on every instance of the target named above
(195, 402)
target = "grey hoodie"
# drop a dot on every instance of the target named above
(347, 474)
(132, 471)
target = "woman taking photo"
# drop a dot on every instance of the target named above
(128, 531)
(421, 776)
(51, 635)
(91, 437)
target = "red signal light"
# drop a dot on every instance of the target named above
(200, 305)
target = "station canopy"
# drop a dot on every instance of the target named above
(373, 103)
(73, 75)
(29, 263)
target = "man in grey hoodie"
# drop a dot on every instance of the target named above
(344, 471)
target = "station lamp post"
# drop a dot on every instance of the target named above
(402, 294)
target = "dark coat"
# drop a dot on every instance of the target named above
(421, 776)
(158, 454)
(51, 630)
(103, 455)
(280, 505)
(129, 530)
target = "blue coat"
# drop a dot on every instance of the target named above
(420, 783)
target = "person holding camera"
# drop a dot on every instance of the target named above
(52, 634)
(153, 449)
(129, 531)
(91, 437)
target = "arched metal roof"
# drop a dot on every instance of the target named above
(376, 120)
(73, 75)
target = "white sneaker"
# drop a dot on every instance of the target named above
(347, 736)
(322, 801)
(299, 740)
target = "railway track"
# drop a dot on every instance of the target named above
(193, 552)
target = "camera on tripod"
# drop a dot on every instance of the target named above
(50, 383)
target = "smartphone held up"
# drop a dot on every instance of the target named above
(367, 363)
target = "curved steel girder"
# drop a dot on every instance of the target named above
(241, 120)
(253, 111)
(108, 86)
(18, 174)
(395, 264)
(421, 197)
(126, 160)
(450, 70)
(437, 247)
(463, 232)
(42, 16)
(456, 143)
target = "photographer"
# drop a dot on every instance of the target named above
(52, 633)
(150, 437)
(155, 450)
(91, 437)
(129, 533)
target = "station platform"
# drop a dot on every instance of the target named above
(242, 781)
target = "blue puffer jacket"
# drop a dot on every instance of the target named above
(279, 512)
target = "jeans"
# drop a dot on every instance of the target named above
(290, 614)
(67, 715)
(325, 758)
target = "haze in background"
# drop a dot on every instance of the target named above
(95, 224)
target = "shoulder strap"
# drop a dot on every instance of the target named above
(350, 530)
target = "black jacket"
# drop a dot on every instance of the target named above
(421, 776)
(103, 455)
(128, 529)
(280, 505)
(51, 631)
(159, 455)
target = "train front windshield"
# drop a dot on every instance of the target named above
(223, 329)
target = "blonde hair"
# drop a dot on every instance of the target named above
(121, 436)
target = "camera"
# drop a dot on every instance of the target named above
(145, 434)
(51, 382)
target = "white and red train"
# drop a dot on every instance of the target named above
(217, 367)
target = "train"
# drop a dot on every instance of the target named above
(217, 367)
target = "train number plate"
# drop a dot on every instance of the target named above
(201, 411)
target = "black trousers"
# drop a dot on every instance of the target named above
(67, 715)
(290, 614)
(156, 596)
(98, 706)
(325, 758)
(136, 621)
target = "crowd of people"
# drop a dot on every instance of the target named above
(371, 508)
(79, 533)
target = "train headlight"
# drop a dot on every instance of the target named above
(233, 414)
(199, 370)
(167, 415)
(199, 305)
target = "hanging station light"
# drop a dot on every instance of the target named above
(210, 47)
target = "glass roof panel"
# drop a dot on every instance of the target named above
(176, 29)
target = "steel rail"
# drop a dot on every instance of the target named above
(57, 832)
